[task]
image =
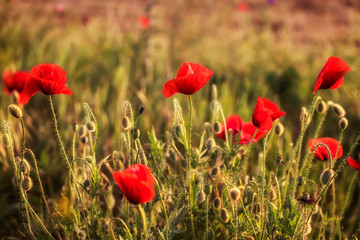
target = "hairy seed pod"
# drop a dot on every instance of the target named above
(200, 196)
(125, 123)
(210, 144)
(224, 215)
(215, 172)
(136, 133)
(15, 111)
(27, 183)
(84, 139)
(217, 203)
(6, 140)
(90, 126)
(82, 131)
(24, 165)
(178, 131)
(208, 189)
(326, 175)
(242, 150)
(338, 110)
(305, 196)
(75, 127)
(279, 129)
(217, 127)
(343, 123)
(321, 107)
(220, 186)
(235, 194)
(257, 208)
(141, 110)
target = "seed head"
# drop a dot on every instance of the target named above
(215, 172)
(279, 129)
(178, 131)
(235, 194)
(210, 144)
(321, 107)
(6, 140)
(338, 110)
(27, 183)
(224, 215)
(15, 111)
(217, 203)
(217, 127)
(82, 131)
(125, 123)
(326, 175)
(136, 133)
(343, 123)
(141, 110)
(91, 127)
(200, 196)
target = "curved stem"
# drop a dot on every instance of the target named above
(143, 218)
(123, 223)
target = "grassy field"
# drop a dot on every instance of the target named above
(275, 51)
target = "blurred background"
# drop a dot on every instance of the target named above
(117, 50)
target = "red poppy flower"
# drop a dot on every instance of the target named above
(242, 7)
(265, 113)
(190, 78)
(137, 183)
(14, 81)
(144, 21)
(321, 153)
(355, 164)
(234, 123)
(332, 74)
(48, 78)
(248, 130)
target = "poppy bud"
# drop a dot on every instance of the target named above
(208, 189)
(256, 208)
(242, 150)
(27, 184)
(326, 175)
(81, 234)
(90, 126)
(220, 186)
(235, 194)
(217, 127)
(304, 114)
(343, 123)
(136, 133)
(6, 140)
(338, 110)
(75, 127)
(217, 203)
(84, 139)
(24, 165)
(300, 180)
(321, 107)
(15, 111)
(272, 195)
(210, 144)
(215, 171)
(200, 196)
(178, 131)
(86, 183)
(141, 110)
(125, 123)
(82, 131)
(279, 129)
(224, 215)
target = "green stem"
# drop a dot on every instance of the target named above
(189, 155)
(143, 218)
(348, 195)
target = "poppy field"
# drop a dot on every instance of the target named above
(163, 119)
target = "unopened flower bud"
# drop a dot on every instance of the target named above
(125, 123)
(200, 196)
(305, 196)
(27, 184)
(136, 133)
(300, 180)
(321, 107)
(6, 140)
(304, 115)
(220, 186)
(279, 129)
(23, 165)
(338, 110)
(217, 127)
(215, 171)
(82, 131)
(15, 111)
(224, 215)
(81, 234)
(178, 131)
(208, 189)
(84, 139)
(343, 123)
(217, 203)
(91, 127)
(272, 195)
(235, 194)
(141, 110)
(210, 144)
(256, 208)
(326, 175)
(75, 127)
